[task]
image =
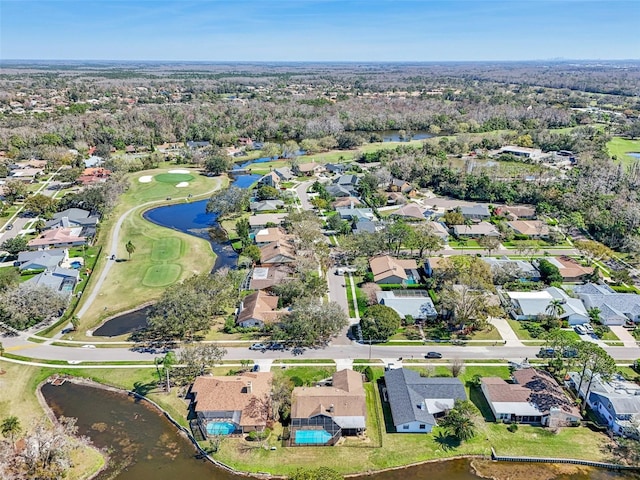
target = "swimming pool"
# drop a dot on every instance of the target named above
(312, 437)
(76, 265)
(220, 428)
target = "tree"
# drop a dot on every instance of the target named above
(555, 308)
(168, 361)
(75, 322)
(242, 230)
(13, 190)
(265, 192)
(281, 388)
(229, 201)
(453, 217)
(130, 248)
(564, 345)
(253, 252)
(379, 322)
(594, 315)
(11, 428)
(24, 306)
(310, 323)
(549, 273)
(489, 243)
(40, 204)
(595, 361)
(458, 422)
(197, 359)
(9, 277)
(217, 163)
(423, 238)
(467, 306)
(15, 245)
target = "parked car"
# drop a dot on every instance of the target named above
(629, 324)
(570, 352)
(433, 355)
(256, 368)
(580, 330)
(546, 353)
(9, 227)
(258, 346)
(588, 327)
(276, 346)
(88, 346)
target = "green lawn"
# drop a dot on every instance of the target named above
(307, 375)
(619, 147)
(519, 331)
(173, 177)
(162, 256)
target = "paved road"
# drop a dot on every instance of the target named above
(115, 234)
(301, 191)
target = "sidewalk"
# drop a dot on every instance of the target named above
(506, 332)
(624, 335)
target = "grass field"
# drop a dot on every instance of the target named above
(162, 256)
(619, 147)
(173, 177)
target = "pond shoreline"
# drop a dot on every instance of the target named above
(476, 468)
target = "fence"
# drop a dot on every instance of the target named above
(573, 461)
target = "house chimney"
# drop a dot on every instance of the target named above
(249, 387)
(331, 408)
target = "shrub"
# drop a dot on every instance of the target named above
(259, 435)
(513, 427)
(534, 329)
(601, 330)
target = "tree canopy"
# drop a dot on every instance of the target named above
(379, 322)
(311, 323)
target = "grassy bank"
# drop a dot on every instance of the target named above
(619, 147)
(162, 256)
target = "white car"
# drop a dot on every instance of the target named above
(580, 330)
(588, 327)
(88, 346)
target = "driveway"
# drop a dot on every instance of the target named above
(506, 332)
(624, 335)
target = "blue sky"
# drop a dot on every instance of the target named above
(319, 30)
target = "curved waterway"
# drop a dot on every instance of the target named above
(142, 444)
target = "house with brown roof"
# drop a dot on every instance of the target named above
(263, 278)
(410, 212)
(530, 228)
(521, 212)
(391, 270)
(330, 411)
(533, 397)
(271, 179)
(276, 253)
(570, 269)
(58, 237)
(343, 202)
(94, 175)
(258, 309)
(311, 168)
(397, 185)
(232, 404)
(476, 230)
(263, 220)
(268, 235)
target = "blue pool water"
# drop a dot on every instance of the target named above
(311, 437)
(76, 265)
(634, 154)
(220, 428)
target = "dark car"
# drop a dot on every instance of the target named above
(276, 346)
(433, 355)
(256, 368)
(9, 227)
(546, 353)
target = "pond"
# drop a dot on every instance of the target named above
(634, 154)
(143, 444)
(126, 323)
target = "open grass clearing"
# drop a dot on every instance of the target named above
(620, 148)
(173, 177)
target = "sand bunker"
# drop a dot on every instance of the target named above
(145, 179)
(178, 171)
(182, 184)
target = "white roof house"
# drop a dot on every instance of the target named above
(416, 303)
(530, 305)
(615, 308)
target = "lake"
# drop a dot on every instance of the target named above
(143, 444)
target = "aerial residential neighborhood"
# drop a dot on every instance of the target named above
(319, 240)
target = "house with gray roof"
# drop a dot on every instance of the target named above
(341, 191)
(415, 303)
(615, 308)
(416, 402)
(349, 213)
(365, 226)
(616, 401)
(61, 280)
(347, 180)
(476, 212)
(476, 230)
(266, 205)
(41, 259)
(525, 270)
(74, 217)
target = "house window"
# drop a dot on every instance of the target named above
(423, 426)
(405, 427)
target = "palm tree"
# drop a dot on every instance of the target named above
(11, 428)
(130, 248)
(555, 308)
